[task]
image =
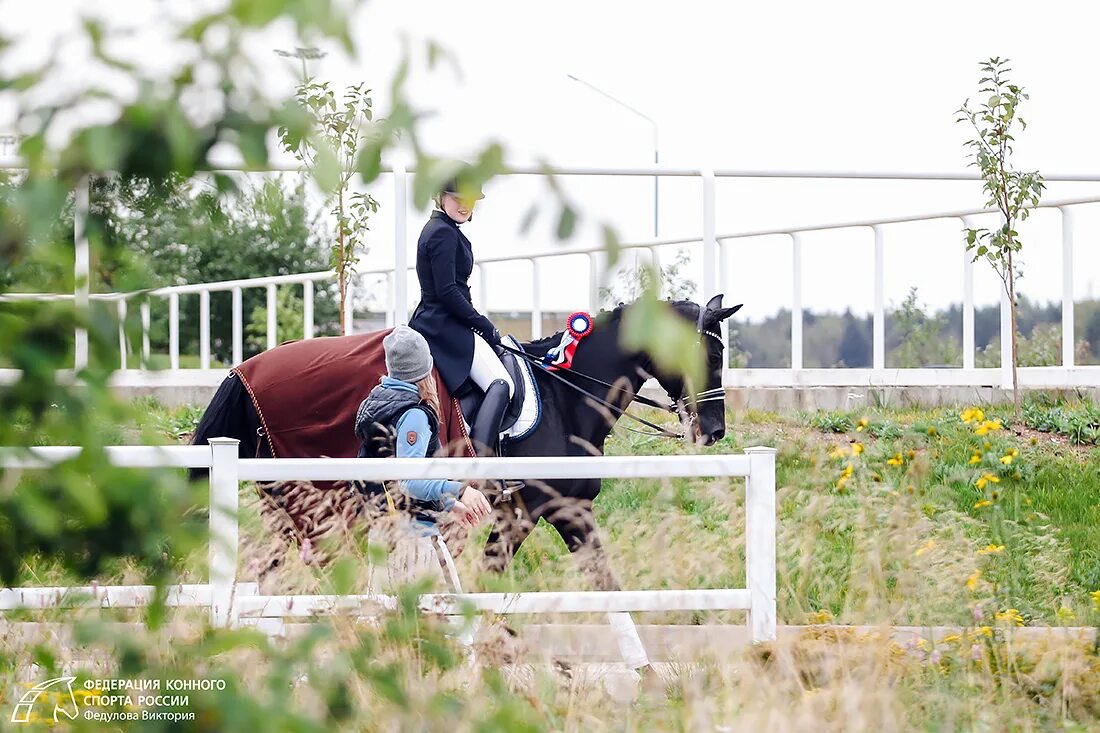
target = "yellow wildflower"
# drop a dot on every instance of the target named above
(972, 581)
(911, 455)
(925, 547)
(821, 617)
(839, 452)
(896, 460)
(972, 414)
(985, 631)
(983, 503)
(840, 482)
(932, 431)
(992, 549)
(848, 471)
(1010, 616)
(862, 424)
(951, 639)
(857, 448)
(1095, 596)
(1007, 460)
(988, 426)
(986, 478)
(1066, 614)
(987, 445)
(976, 458)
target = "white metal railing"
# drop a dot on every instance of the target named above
(715, 273)
(231, 603)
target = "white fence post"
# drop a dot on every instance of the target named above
(796, 301)
(174, 330)
(272, 318)
(349, 306)
(710, 243)
(238, 327)
(536, 306)
(878, 336)
(760, 542)
(204, 329)
(81, 267)
(223, 529)
(307, 309)
(122, 333)
(1067, 286)
(400, 248)
(146, 317)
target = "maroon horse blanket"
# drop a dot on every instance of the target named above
(306, 394)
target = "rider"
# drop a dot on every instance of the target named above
(401, 416)
(463, 341)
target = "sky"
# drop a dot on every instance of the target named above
(779, 86)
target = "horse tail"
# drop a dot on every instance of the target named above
(231, 414)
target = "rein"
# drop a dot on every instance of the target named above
(709, 395)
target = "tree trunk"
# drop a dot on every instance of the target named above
(340, 260)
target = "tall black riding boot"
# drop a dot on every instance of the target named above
(485, 435)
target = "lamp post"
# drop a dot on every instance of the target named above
(656, 154)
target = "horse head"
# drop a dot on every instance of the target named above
(703, 409)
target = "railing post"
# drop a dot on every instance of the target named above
(145, 320)
(968, 301)
(223, 529)
(400, 248)
(238, 327)
(174, 330)
(878, 337)
(594, 281)
(307, 309)
(724, 288)
(796, 301)
(81, 262)
(121, 333)
(1006, 340)
(391, 309)
(482, 290)
(349, 306)
(760, 542)
(536, 306)
(1067, 286)
(272, 318)
(710, 243)
(204, 329)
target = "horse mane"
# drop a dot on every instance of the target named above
(539, 347)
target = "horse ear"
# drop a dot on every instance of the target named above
(714, 303)
(725, 313)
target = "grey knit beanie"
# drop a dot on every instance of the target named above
(407, 355)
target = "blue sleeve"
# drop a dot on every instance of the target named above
(413, 436)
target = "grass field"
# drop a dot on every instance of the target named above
(885, 517)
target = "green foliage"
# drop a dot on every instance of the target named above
(1009, 191)
(832, 422)
(919, 336)
(1080, 422)
(328, 149)
(631, 282)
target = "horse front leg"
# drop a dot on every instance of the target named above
(512, 524)
(572, 517)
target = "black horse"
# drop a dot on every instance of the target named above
(578, 414)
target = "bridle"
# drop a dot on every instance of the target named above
(675, 407)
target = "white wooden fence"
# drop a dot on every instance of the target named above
(232, 603)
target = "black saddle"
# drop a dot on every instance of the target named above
(469, 395)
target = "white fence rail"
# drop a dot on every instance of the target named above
(714, 254)
(232, 603)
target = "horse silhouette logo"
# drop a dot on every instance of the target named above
(63, 699)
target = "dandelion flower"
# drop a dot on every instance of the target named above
(983, 503)
(985, 631)
(848, 471)
(896, 460)
(986, 478)
(1066, 614)
(932, 431)
(862, 424)
(857, 448)
(972, 581)
(840, 482)
(839, 452)
(992, 549)
(972, 414)
(1010, 616)
(976, 458)
(988, 426)
(1095, 596)
(1007, 459)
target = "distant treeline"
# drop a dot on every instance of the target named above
(915, 338)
